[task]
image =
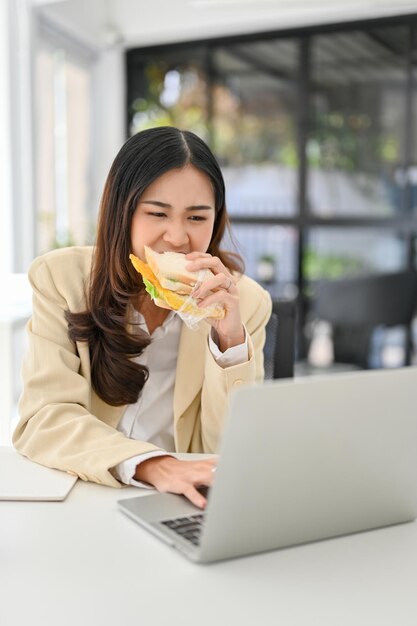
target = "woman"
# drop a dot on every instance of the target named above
(112, 383)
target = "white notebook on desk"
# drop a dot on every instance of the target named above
(21, 479)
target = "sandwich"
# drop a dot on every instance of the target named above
(170, 284)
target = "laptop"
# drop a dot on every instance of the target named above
(21, 479)
(300, 460)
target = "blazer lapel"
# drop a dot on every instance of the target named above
(190, 367)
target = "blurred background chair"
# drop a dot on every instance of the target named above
(279, 351)
(356, 307)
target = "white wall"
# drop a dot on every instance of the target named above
(5, 145)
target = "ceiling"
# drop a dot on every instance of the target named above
(135, 23)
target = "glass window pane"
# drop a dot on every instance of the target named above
(412, 172)
(168, 89)
(254, 102)
(270, 255)
(45, 151)
(62, 144)
(356, 147)
(81, 222)
(334, 253)
(338, 252)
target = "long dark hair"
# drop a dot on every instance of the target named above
(114, 283)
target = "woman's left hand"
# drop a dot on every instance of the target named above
(229, 329)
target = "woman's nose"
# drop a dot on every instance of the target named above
(176, 235)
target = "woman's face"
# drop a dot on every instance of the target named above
(175, 213)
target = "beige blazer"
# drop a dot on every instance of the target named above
(65, 425)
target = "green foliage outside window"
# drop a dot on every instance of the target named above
(331, 266)
(238, 135)
(351, 143)
(188, 110)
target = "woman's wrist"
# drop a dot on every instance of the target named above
(147, 471)
(230, 341)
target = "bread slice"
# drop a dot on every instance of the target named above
(169, 268)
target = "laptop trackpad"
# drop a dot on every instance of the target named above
(159, 506)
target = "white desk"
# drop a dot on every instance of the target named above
(82, 562)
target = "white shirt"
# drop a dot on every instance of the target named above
(151, 417)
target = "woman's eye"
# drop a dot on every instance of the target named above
(197, 218)
(157, 214)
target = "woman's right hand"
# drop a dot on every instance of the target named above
(167, 473)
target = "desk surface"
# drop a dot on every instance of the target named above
(82, 562)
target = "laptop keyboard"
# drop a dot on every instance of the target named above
(188, 527)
